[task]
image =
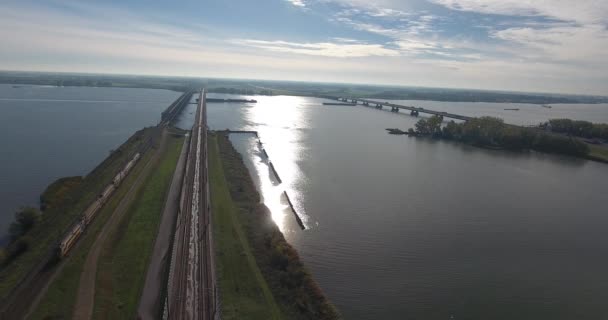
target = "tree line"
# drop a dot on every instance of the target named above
(584, 129)
(494, 133)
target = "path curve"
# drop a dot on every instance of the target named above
(85, 297)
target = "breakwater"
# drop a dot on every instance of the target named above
(216, 100)
(295, 213)
(274, 172)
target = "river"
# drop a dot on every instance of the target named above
(51, 132)
(397, 227)
(406, 228)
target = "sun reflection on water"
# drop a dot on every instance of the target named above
(279, 121)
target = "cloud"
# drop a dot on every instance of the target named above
(582, 11)
(340, 49)
(582, 45)
(297, 3)
(387, 43)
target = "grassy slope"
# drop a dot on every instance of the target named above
(125, 257)
(598, 153)
(59, 300)
(294, 289)
(243, 290)
(56, 221)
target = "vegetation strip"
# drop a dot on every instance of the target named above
(243, 291)
(58, 301)
(61, 210)
(292, 286)
(125, 257)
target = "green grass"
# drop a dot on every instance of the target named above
(126, 254)
(599, 153)
(244, 293)
(59, 300)
(56, 220)
(295, 291)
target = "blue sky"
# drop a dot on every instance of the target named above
(523, 45)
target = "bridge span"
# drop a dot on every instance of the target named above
(396, 107)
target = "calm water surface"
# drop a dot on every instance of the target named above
(398, 228)
(50, 132)
(404, 228)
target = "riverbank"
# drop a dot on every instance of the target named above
(56, 218)
(260, 274)
(135, 229)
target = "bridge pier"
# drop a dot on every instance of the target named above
(379, 106)
(365, 103)
(394, 109)
(414, 113)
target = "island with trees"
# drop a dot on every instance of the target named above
(560, 136)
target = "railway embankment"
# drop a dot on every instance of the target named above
(126, 254)
(247, 238)
(63, 204)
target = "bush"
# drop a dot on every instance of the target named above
(3, 256)
(25, 219)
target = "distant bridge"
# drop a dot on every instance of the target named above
(396, 107)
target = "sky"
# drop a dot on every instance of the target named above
(556, 46)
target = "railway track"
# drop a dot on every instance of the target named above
(191, 285)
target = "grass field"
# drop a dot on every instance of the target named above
(244, 292)
(125, 256)
(59, 300)
(599, 153)
(55, 221)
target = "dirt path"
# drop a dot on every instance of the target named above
(150, 303)
(85, 298)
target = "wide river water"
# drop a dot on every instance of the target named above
(406, 228)
(397, 227)
(49, 132)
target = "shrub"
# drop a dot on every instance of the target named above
(25, 219)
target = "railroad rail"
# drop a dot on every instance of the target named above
(191, 289)
(169, 115)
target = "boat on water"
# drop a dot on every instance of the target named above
(512, 109)
(546, 106)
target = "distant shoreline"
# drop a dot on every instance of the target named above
(309, 89)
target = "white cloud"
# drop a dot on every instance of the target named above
(340, 49)
(584, 45)
(582, 11)
(558, 57)
(297, 3)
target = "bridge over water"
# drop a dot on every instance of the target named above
(396, 107)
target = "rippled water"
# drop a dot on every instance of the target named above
(405, 228)
(50, 132)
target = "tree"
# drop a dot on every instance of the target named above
(421, 126)
(430, 126)
(25, 219)
(451, 130)
(434, 125)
